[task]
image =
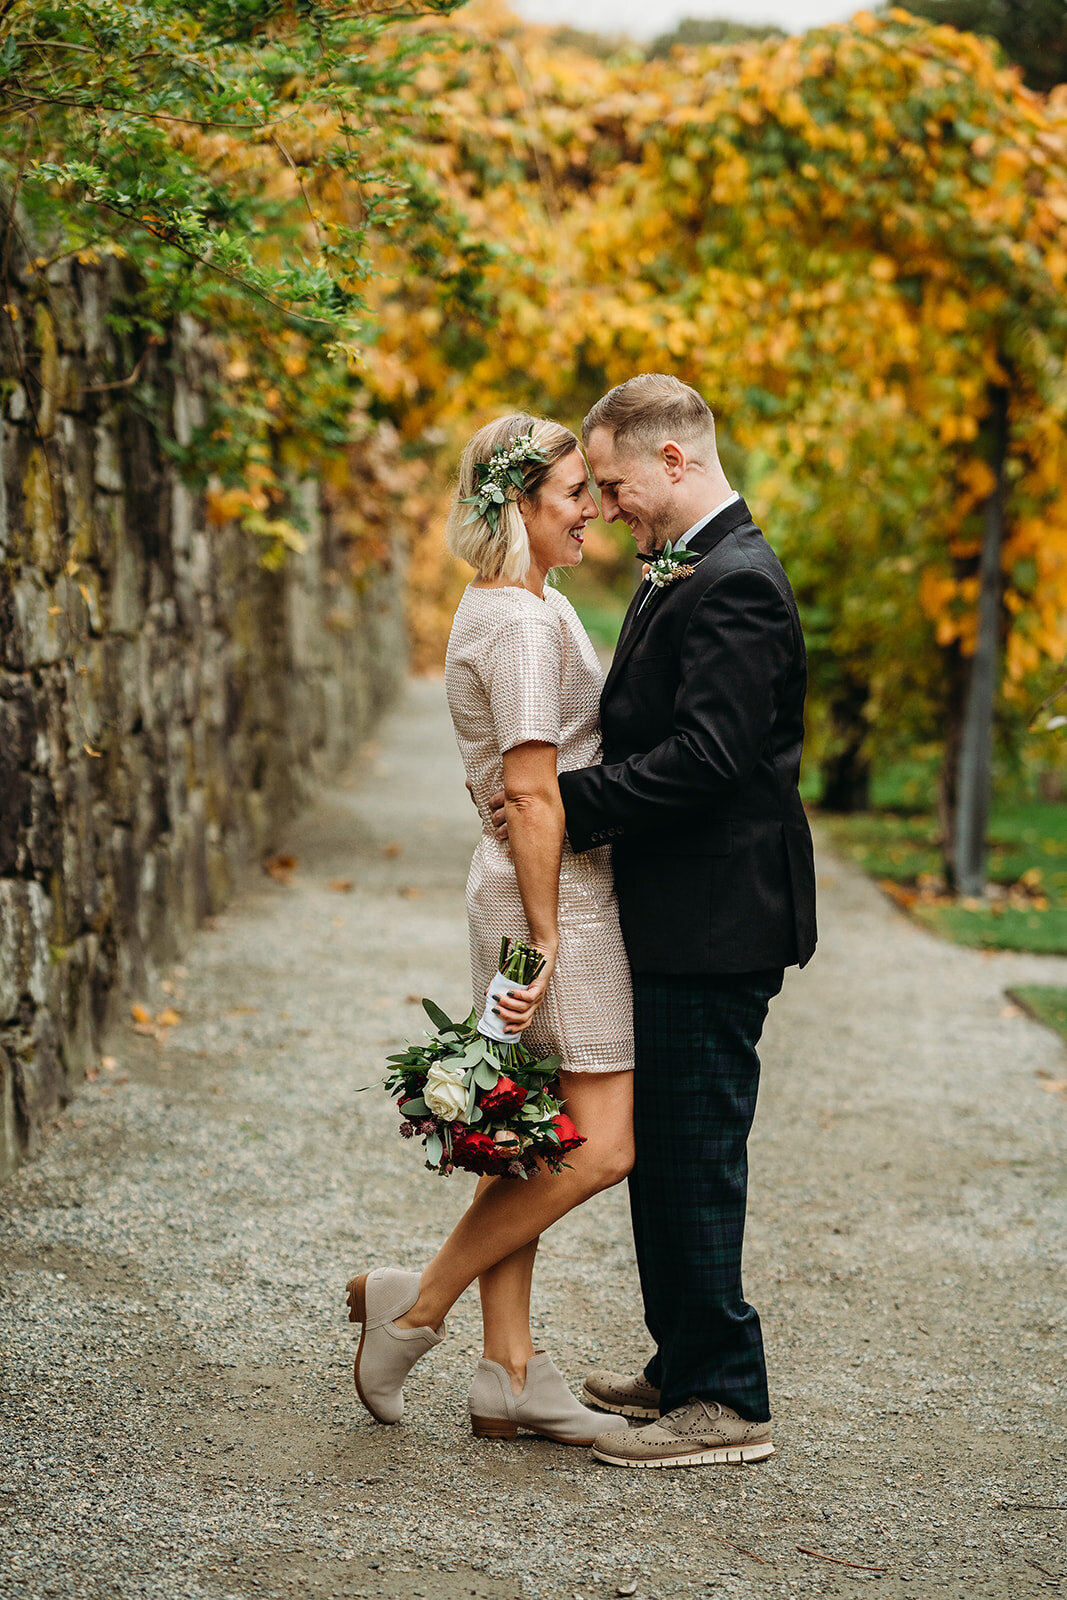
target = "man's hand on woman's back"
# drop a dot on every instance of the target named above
(497, 814)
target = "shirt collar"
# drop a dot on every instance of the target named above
(683, 542)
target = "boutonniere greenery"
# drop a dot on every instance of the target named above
(669, 567)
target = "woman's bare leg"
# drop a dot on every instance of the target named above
(507, 1214)
(505, 1295)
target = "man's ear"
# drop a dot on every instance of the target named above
(673, 457)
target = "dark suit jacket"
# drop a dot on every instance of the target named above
(703, 721)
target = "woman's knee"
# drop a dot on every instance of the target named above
(605, 1166)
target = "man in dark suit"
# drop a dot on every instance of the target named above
(702, 718)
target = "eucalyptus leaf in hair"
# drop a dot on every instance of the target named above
(498, 476)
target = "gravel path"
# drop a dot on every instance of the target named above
(178, 1415)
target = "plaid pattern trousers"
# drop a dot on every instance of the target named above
(695, 1083)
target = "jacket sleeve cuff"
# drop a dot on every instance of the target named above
(587, 827)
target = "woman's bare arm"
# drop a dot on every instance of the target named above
(535, 836)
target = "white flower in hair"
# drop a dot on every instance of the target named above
(500, 479)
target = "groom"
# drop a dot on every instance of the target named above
(702, 719)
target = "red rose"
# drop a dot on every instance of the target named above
(502, 1099)
(566, 1132)
(476, 1151)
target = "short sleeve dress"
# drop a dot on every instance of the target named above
(520, 668)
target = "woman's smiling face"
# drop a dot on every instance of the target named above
(555, 520)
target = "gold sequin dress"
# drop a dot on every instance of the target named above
(520, 668)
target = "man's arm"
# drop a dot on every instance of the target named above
(736, 653)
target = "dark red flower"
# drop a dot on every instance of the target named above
(502, 1099)
(566, 1132)
(476, 1152)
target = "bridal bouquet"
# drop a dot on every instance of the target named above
(477, 1098)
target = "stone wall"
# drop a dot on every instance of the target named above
(165, 702)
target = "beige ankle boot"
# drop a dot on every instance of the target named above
(386, 1353)
(545, 1406)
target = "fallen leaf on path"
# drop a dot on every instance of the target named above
(280, 867)
(410, 891)
(242, 1011)
(1054, 1086)
(391, 851)
(341, 885)
(91, 1074)
(140, 1013)
(168, 1018)
(108, 1063)
(413, 999)
(899, 893)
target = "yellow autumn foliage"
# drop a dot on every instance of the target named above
(846, 240)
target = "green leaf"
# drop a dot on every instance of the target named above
(486, 1076)
(434, 1149)
(416, 1107)
(547, 1068)
(437, 1017)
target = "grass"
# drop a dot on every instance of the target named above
(1027, 865)
(1047, 1004)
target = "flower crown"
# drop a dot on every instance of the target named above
(496, 478)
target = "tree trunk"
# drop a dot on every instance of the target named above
(846, 773)
(974, 772)
(948, 788)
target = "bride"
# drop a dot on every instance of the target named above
(523, 685)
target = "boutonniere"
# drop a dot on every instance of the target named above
(669, 567)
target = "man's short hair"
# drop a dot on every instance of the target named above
(642, 413)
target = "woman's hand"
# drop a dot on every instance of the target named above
(516, 1008)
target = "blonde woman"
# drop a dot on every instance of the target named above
(523, 686)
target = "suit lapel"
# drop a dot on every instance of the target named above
(702, 541)
(627, 633)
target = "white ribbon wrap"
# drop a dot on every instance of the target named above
(491, 1027)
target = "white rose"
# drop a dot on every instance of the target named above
(445, 1093)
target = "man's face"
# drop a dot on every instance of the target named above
(637, 490)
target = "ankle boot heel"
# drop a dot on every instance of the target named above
(494, 1428)
(356, 1295)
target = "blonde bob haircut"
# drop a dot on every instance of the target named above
(505, 553)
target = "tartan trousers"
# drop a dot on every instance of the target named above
(695, 1083)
